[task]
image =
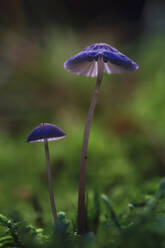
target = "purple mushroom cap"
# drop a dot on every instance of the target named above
(45, 131)
(85, 62)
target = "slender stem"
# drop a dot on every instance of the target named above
(81, 195)
(51, 195)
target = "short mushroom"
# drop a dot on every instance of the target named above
(93, 61)
(46, 132)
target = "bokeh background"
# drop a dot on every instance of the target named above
(126, 157)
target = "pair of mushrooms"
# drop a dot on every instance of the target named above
(92, 61)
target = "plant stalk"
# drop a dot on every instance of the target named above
(51, 194)
(81, 215)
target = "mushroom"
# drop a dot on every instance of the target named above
(93, 61)
(46, 132)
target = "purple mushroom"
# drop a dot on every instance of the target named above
(93, 61)
(46, 132)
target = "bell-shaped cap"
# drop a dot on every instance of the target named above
(45, 131)
(85, 62)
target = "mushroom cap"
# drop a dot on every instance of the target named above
(85, 62)
(45, 131)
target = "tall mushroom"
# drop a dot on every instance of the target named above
(46, 132)
(93, 61)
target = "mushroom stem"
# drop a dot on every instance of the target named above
(51, 195)
(81, 195)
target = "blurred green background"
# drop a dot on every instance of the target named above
(126, 155)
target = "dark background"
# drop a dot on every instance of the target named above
(76, 13)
